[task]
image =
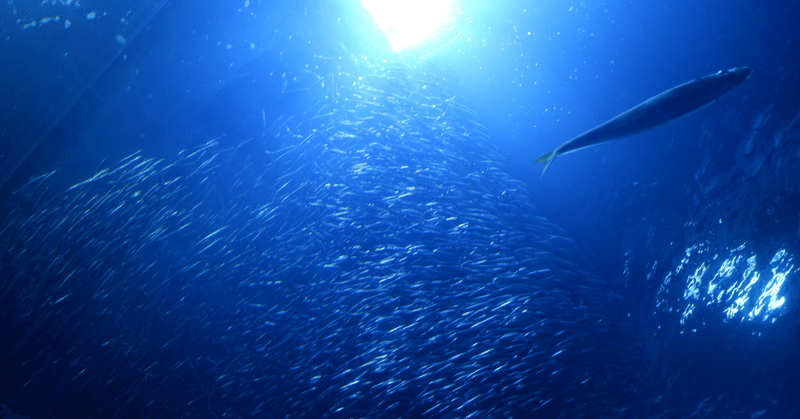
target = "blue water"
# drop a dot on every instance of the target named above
(258, 210)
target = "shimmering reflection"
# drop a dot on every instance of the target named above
(738, 281)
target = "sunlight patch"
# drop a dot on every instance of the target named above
(741, 287)
(409, 23)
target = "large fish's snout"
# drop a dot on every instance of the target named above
(731, 77)
(743, 72)
(740, 73)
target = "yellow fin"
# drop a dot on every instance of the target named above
(547, 159)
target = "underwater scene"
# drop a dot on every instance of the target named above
(380, 209)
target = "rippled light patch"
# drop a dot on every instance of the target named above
(408, 23)
(734, 281)
(770, 299)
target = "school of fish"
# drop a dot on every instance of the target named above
(369, 258)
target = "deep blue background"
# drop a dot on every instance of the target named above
(535, 75)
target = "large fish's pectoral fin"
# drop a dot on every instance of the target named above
(547, 159)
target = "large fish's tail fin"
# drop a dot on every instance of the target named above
(547, 159)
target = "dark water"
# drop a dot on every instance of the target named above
(254, 210)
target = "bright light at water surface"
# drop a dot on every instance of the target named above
(408, 23)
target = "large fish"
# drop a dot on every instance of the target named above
(658, 110)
